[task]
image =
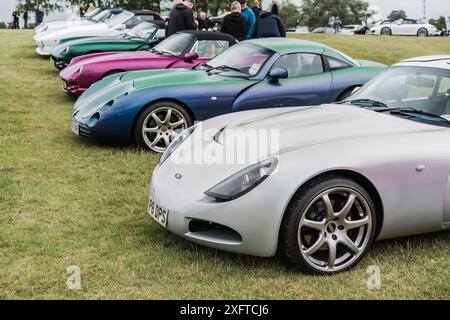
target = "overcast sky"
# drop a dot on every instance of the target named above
(412, 7)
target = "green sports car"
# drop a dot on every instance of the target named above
(142, 37)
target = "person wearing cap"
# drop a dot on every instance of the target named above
(181, 18)
(250, 16)
(235, 23)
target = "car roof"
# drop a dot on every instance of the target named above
(209, 35)
(289, 45)
(437, 61)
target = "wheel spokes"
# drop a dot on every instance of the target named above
(347, 207)
(316, 246)
(328, 206)
(317, 225)
(353, 224)
(332, 248)
(350, 244)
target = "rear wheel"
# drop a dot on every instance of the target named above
(422, 32)
(329, 226)
(159, 124)
(386, 31)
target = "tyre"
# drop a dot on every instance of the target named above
(159, 124)
(422, 32)
(386, 31)
(329, 226)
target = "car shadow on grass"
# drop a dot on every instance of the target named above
(382, 251)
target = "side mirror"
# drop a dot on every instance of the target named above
(278, 73)
(120, 27)
(447, 94)
(355, 90)
(189, 57)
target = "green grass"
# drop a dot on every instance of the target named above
(65, 201)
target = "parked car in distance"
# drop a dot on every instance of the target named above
(344, 175)
(150, 107)
(142, 37)
(86, 20)
(354, 29)
(182, 50)
(47, 41)
(405, 27)
(324, 30)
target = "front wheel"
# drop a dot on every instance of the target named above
(329, 226)
(386, 32)
(159, 124)
(422, 32)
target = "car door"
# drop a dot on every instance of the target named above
(307, 84)
(408, 27)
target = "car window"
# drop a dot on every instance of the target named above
(134, 21)
(210, 48)
(444, 85)
(147, 17)
(300, 64)
(336, 64)
(406, 87)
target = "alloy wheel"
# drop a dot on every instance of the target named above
(422, 32)
(335, 229)
(161, 126)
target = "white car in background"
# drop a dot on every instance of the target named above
(47, 41)
(405, 27)
(96, 16)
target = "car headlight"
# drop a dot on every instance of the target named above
(244, 181)
(176, 143)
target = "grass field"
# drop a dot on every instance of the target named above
(65, 201)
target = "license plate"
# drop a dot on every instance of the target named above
(76, 128)
(158, 213)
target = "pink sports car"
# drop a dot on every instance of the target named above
(185, 49)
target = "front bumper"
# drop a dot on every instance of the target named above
(247, 225)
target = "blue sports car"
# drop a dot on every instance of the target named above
(150, 108)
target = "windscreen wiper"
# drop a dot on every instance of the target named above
(410, 111)
(222, 67)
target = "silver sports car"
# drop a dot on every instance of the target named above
(335, 178)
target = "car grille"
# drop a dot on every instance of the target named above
(85, 131)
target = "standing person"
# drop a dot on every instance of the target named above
(91, 7)
(269, 25)
(250, 16)
(256, 8)
(16, 16)
(235, 24)
(203, 22)
(25, 19)
(82, 9)
(274, 9)
(181, 18)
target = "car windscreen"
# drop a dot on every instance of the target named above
(143, 30)
(92, 13)
(175, 45)
(102, 16)
(420, 93)
(241, 60)
(119, 19)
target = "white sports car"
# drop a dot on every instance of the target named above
(405, 27)
(98, 15)
(376, 166)
(47, 41)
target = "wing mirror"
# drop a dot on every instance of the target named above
(278, 73)
(447, 94)
(189, 57)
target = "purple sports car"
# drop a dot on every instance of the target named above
(185, 49)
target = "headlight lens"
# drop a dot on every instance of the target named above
(176, 143)
(242, 182)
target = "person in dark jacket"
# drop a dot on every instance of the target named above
(274, 9)
(256, 8)
(269, 25)
(235, 24)
(25, 19)
(16, 15)
(204, 24)
(181, 18)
